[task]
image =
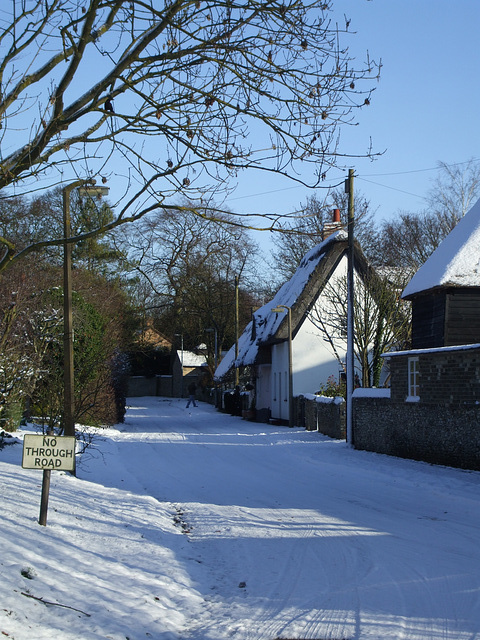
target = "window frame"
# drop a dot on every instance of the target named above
(413, 375)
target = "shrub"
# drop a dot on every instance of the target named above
(332, 388)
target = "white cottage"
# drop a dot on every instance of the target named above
(264, 345)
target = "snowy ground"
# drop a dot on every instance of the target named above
(197, 525)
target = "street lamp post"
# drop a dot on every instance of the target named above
(87, 188)
(280, 309)
(215, 333)
(180, 335)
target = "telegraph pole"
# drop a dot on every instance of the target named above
(350, 307)
(236, 330)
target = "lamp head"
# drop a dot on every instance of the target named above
(93, 190)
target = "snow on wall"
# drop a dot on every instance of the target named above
(417, 352)
(324, 399)
(371, 393)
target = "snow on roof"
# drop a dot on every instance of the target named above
(265, 323)
(191, 359)
(456, 261)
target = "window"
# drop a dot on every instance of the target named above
(413, 377)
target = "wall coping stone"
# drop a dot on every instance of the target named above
(413, 352)
(372, 392)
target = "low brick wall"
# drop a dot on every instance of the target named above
(440, 434)
(318, 413)
(139, 386)
(447, 375)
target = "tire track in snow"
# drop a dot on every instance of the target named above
(310, 575)
(293, 575)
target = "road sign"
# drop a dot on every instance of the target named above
(46, 452)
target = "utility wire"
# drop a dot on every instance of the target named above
(364, 178)
(400, 173)
(408, 193)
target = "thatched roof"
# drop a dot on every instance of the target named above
(299, 293)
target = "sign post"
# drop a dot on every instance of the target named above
(48, 452)
(42, 518)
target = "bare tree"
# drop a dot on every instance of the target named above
(188, 265)
(408, 241)
(297, 236)
(165, 95)
(455, 190)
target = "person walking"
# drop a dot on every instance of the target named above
(191, 394)
(237, 402)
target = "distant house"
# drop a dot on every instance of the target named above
(149, 358)
(152, 338)
(433, 412)
(264, 345)
(187, 367)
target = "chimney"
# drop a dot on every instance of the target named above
(335, 225)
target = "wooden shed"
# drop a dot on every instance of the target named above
(446, 317)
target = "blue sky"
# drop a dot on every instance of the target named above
(425, 108)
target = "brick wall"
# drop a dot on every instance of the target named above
(326, 415)
(443, 427)
(139, 386)
(447, 375)
(447, 435)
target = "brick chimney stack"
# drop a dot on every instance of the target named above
(335, 225)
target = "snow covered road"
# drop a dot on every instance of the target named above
(191, 524)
